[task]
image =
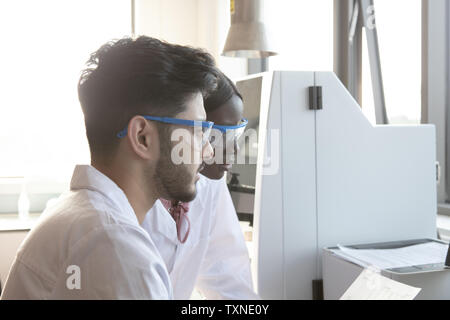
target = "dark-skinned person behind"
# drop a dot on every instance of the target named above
(90, 245)
(201, 242)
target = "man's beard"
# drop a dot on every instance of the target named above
(173, 182)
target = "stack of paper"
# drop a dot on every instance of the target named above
(419, 254)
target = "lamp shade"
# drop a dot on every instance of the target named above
(247, 36)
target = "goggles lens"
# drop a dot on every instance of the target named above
(229, 134)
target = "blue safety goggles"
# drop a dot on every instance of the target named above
(205, 125)
(231, 133)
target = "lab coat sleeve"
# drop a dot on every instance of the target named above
(225, 271)
(23, 283)
(116, 262)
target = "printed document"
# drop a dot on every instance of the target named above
(370, 285)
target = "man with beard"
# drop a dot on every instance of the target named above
(90, 245)
(201, 242)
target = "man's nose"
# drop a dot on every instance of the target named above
(207, 152)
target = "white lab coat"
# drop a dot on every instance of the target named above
(93, 228)
(215, 257)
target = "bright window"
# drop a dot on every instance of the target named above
(399, 26)
(303, 31)
(44, 47)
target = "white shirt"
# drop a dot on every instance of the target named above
(214, 257)
(94, 230)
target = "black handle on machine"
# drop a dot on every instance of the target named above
(234, 179)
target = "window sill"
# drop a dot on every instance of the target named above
(11, 222)
(443, 209)
(443, 226)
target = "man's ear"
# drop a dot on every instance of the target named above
(143, 137)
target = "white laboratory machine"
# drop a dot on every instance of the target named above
(433, 279)
(323, 175)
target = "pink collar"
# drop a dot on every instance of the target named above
(178, 210)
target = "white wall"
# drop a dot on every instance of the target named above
(198, 23)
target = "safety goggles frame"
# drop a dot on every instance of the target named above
(224, 129)
(231, 133)
(206, 125)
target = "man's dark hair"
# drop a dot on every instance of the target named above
(142, 76)
(225, 91)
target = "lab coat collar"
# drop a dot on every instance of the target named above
(160, 220)
(88, 177)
